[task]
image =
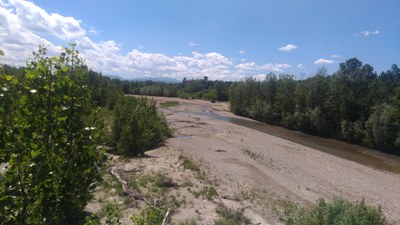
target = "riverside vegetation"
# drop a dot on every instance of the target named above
(354, 104)
(56, 113)
(51, 128)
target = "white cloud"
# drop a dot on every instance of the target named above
(301, 66)
(192, 43)
(368, 33)
(324, 61)
(288, 48)
(39, 21)
(275, 67)
(95, 32)
(242, 51)
(24, 26)
(260, 77)
(271, 67)
(246, 66)
(336, 56)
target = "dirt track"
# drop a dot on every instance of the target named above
(271, 169)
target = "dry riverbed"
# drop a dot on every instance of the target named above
(214, 169)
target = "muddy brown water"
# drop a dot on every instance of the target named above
(355, 153)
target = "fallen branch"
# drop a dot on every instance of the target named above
(125, 187)
(219, 196)
(164, 221)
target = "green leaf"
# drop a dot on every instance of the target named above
(22, 100)
(35, 153)
(88, 170)
(33, 146)
(29, 74)
(62, 118)
(9, 77)
(41, 67)
(14, 81)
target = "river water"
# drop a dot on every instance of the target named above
(362, 155)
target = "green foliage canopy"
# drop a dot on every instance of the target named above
(354, 104)
(138, 126)
(47, 141)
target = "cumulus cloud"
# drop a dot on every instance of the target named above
(242, 51)
(324, 61)
(271, 67)
(368, 33)
(288, 48)
(24, 26)
(246, 66)
(39, 21)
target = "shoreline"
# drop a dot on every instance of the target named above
(284, 170)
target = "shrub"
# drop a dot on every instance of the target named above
(169, 104)
(340, 211)
(138, 126)
(47, 138)
(230, 217)
(150, 215)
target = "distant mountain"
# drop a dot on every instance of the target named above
(115, 77)
(168, 80)
(157, 79)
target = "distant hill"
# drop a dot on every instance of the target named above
(168, 80)
(115, 77)
(158, 79)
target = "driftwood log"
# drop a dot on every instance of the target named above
(165, 220)
(122, 178)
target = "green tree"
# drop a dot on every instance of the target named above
(47, 139)
(383, 127)
(138, 126)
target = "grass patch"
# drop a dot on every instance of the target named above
(111, 184)
(207, 192)
(251, 154)
(169, 104)
(109, 209)
(340, 211)
(189, 164)
(230, 217)
(152, 185)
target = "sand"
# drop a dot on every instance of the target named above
(260, 174)
(278, 169)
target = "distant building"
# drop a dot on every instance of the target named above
(205, 78)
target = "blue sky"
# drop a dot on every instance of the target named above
(225, 40)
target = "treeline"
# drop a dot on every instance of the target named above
(187, 89)
(354, 104)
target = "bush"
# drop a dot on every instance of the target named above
(138, 126)
(230, 217)
(47, 139)
(341, 212)
(150, 215)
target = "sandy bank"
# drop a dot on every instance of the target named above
(272, 167)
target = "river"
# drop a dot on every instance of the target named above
(359, 154)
